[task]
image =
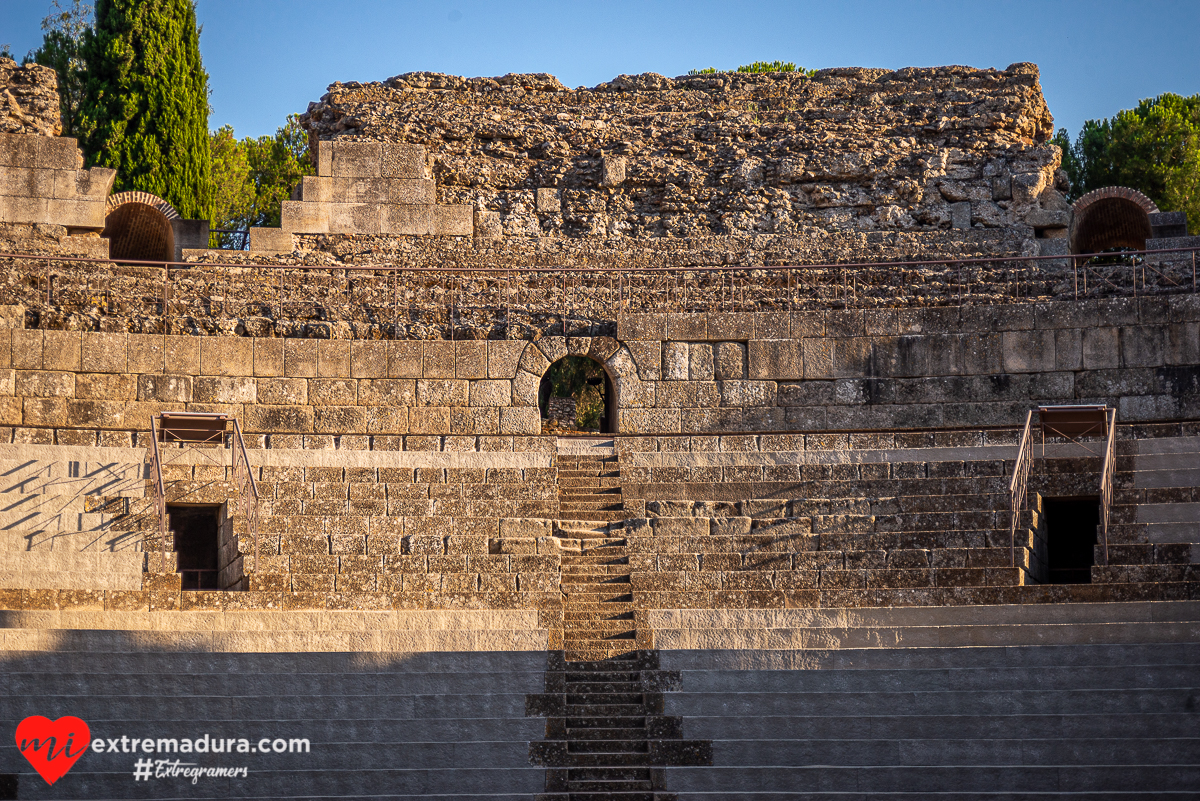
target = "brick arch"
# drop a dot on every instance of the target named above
(138, 227)
(1112, 217)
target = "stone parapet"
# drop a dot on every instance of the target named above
(41, 183)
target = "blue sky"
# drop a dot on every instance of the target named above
(268, 58)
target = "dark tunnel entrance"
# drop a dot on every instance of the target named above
(576, 395)
(1111, 218)
(140, 232)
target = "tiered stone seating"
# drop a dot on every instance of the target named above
(64, 522)
(1083, 701)
(1154, 532)
(412, 704)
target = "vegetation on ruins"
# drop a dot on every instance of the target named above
(145, 101)
(1154, 148)
(758, 66)
(252, 177)
(62, 50)
(580, 378)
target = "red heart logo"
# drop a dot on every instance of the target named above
(50, 745)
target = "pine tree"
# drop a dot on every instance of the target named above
(145, 107)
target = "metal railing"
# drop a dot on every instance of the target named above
(160, 494)
(1019, 487)
(399, 301)
(243, 475)
(1106, 478)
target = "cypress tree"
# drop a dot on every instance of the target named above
(145, 107)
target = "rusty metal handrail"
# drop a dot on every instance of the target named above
(955, 260)
(1019, 487)
(1106, 478)
(160, 494)
(247, 486)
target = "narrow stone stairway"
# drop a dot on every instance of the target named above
(606, 736)
(598, 620)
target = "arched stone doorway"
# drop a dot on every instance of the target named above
(138, 227)
(577, 394)
(1112, 217)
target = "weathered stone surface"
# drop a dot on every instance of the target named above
(28, 101)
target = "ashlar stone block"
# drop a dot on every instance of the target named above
(305, 217)
(700, 362)
(401, 160)
(730, 361)
(356, 160)
(470, 359)
(503, 356)
(442, 392)
(776, 359)
(453, 221)
(410, 192)
(675, 357)
(354, 218)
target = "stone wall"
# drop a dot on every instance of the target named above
(954, 367)
(709, 169)
(29, 99)
(42, 183)
(688, 373)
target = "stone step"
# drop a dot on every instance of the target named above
(598, 711)
(577, 653)
(608, 747)
(27, 579)
(608, 515)
(598, 675)
(613, 610)
(595, 560)
(1157, 533)
(579, 599)
(581, 725)
(606, 788)
(603, 688)
(104, 539)
(579, 498)
(607, 734)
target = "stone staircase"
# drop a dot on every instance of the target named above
(598, 617)
(606, 736)
(68, 524)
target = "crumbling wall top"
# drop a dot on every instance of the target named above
(29, 99)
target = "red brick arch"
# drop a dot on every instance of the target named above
(138, 227)
(1112, 217)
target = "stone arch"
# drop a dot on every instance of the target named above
(605, 351)
(1112, 217)
(138, 226)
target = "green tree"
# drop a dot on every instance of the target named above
(1154, 148)
(62, 51)
(252, 177)
(145, 105)
(232, 188)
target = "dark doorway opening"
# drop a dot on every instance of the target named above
(197, 544)
(1070, 538)
(139, 232)
(576, 395)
